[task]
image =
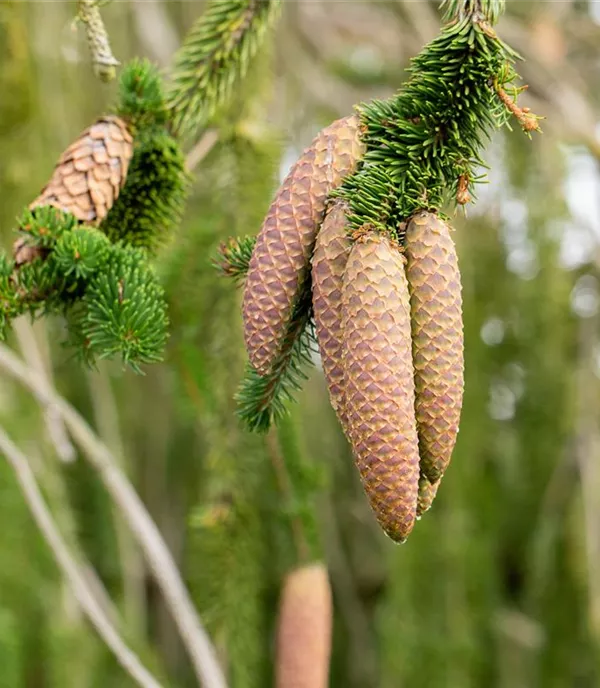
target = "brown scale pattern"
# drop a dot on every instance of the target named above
(304, 632)
(379, 381)
(90, 174)
(328, 265)
(436, 310)
(427, 493)
(281, 257)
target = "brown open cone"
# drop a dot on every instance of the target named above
(87, 179)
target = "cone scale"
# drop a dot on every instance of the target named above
(427, 493)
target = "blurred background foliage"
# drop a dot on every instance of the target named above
(499, 585)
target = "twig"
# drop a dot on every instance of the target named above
(204, 146)
(155, 30)
(528, 121)
(168, 578)
(34, 358)
(104, 61)
(69, 566)
(106, 420)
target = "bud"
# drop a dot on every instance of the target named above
(91, 172)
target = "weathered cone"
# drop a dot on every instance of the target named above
(23, 252)
(437, 330)
(304, 633)
(280, 261)
(90, 174)
(427, 493)
(379, 381)
(328, 265)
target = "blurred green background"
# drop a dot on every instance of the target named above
(499, 584)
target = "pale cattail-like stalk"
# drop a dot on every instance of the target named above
(305, 628)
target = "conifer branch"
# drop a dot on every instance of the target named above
(214, 56)
(423, 144)
(233, 257)
(262, 400)
(103, 60)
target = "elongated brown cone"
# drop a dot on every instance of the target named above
(427, 493)
(379, 381)
(329, 260)
(90, 174)
(436, 310)
(280, 261)
(304, 633)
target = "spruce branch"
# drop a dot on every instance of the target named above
(214, 56)
(111, 296)
(152, 201)
(141, 99)
(233, 257)
(71, 570)
(262, 400)
(123, 311)
(103, 60)
(424, 144)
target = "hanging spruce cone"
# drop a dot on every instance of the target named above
(304, 633)
(379, 381)
(436, 311)
(280, 261)
(427, 493)
(328, 265)
(91, 172)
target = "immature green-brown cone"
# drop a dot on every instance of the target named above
(304, 632)
(91, 172)
(379, 381)
(427, 493)
(328, 265)
(437, 330)
(280, 260)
